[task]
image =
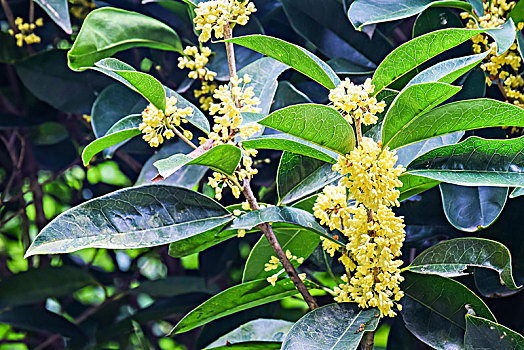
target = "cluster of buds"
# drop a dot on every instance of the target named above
(81, 8)
(215, 14)
(158, 125)
(274, 264)
(503, 67)
(359, 208)
(25, 32)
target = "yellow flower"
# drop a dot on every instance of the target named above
(272, 264)
(372, 177)
(25, 32)
(158, 125)
(354, 101)
(273, 280)
(196, 60)
(213, 15)
(241, 233)
(330, 207)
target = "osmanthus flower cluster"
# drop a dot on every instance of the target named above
(505, 66)
(195, 60)
(274, 264)
(158, 125)
(235, 99)
(213, 15)
(360, 208)
(25, 32)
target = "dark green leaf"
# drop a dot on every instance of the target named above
(123, 130)
(417, 51)
(290, 144)
(221, 158)
(261, 330)
(517, 192)
(58, 11)
(504, 36)
(520, 42)
(39, 284)
(517, 13)
(459, 116)
(299, 176)
(288, 95)
(412, 185)
(434, 308)
(237, 298)
(452, 258)
(472, 209)
(173, 285)
(409, 105)
(134, 217)
(300, 242)
(318, 124)
(407, 154)
(366, 12)
(201, 241)
(435, 18)
(485, 334)
(342, 66)
(107, 31)
(333, 327)
(474, 162)
(294, 56)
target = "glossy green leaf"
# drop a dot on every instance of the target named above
(290, 144)
(517, 192)
(299, 176)
(173, 285)
(365, 12)
(407, 154)
(433, 309)
(300, 242)
(237, 298)
(342, 66)
(201, 241)
(288, 95)
(459, 116)
(37, 285)
(452, 258)
(294, 56)
(123, 130)
(517, 13)
(409, 105)
(187, 177)
(486, 334)
(413, 185)
(334, 327)
(472, 209)
(260, 330)
(504, 36)
(264, 73)
(108, 30)
(143, 83)
(112, 104)
(221, 158)
(474, 162)
(58, 11)
(435, 18)
(417, 51)
(134, 217)
(448, 71)
(318, 124)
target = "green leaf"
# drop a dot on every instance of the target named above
(448, 71)
(237, 298)
(517, 13)
(300, 242)
(172, 286)
(260, 330)
(143, 83)
(365, 12)
(288, 95)
(187, 177)
(221, 158)
(250, 345)
(334, 327)
(407, 154)
(474, 162)
(504, 36)
(433, 309)
(435, 18)
(409, 105)
(459, 116)
(294, 56)
(134, 217)
(58, 11)
(37, 285)
(342, 66)
(412, 185)
(517, 192)
(452, 258)
(112, 104)
(485, 334)
(264, 73)
(38, 319)
(472, 209)
(123, 130)
(108, 30)
(201, 241)
(290, 144)
(520, 42)
(318, 124)
(410, 55)
(299, 176)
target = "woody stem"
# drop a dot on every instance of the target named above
(9, 15)
(250, 197)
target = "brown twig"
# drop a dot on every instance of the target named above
(230, 50)
(369, 341)
(9, 15)
(31, 11)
